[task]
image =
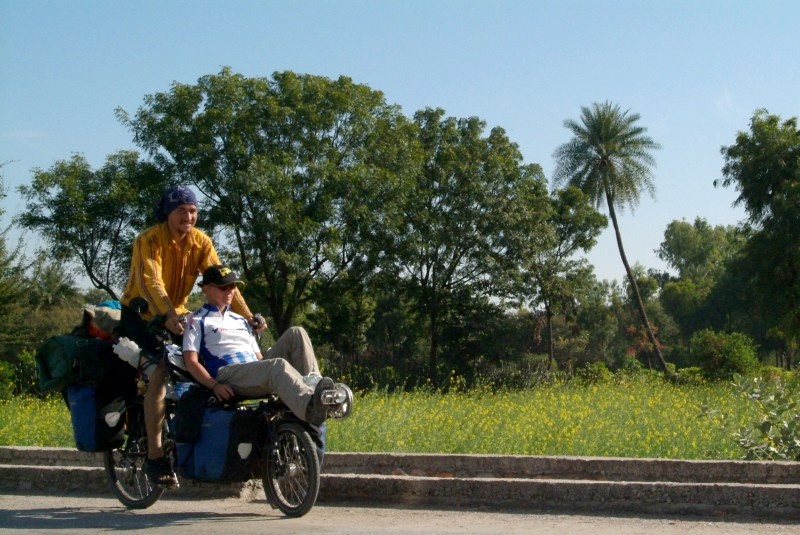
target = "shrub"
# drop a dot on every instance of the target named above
(25, 378)
(775, 434)
(770, 373)
(594, 373)
(721, 355)
(6, 380)
(691, 375)
(530, 372)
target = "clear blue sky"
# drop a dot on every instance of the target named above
(694, 70)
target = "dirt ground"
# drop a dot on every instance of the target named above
(82, 515)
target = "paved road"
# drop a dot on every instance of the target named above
(84, 515)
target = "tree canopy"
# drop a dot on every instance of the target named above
(469, 211)
(90, 217)
(403, 243)
(553, 275)
(296, 169)
(764, 167)
(10, 267)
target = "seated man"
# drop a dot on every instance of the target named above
(232, 361)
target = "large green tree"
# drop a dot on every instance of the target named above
(88, 218)
(298, 171)
(764, 167)
(698, 251)
(610, 159)
(471, 205)
(700, 254)
(553, 276)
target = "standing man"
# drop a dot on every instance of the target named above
(167, 258)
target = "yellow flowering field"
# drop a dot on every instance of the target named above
(650, 418)
(29, 421)
(639, 419)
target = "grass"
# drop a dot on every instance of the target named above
(641, 418)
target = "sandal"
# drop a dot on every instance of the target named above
(159, 471)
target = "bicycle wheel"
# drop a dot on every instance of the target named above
(291, 481)
(125, 465)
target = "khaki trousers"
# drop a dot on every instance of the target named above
(281, 372)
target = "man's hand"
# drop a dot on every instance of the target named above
(174, 323)
(223, 391)
(258, 323)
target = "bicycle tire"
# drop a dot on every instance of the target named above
(124, 465)
(291, 478)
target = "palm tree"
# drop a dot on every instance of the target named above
(609, 159)
(51, 284)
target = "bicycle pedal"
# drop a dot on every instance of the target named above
(341, 401)
(333, 397)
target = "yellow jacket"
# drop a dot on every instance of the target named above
(163, 272)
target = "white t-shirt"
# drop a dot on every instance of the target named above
(220, 337)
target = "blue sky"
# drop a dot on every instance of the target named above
(695, 71)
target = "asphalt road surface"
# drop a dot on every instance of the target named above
(83, 515)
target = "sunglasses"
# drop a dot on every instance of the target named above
(227, 287)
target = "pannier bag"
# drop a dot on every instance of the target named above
(98, 417)
(226, 448)
(189, 413)
(100, 321)
(67, 359)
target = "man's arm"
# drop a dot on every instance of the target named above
(145, 276)
(201, 375)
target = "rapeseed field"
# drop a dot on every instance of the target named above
(640, 418)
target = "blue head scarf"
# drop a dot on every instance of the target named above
(172, 198)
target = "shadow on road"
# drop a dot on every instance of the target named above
(115, 518)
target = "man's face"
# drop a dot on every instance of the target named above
(182, 219)
(219, 296)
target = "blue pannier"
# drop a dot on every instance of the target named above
(97, 416)
(227, 445)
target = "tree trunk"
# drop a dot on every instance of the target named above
(434, 348)
(639, 303)
(551, 346)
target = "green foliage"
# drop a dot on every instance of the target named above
(774, 433)
(6, 380)
(721, 355)
(598, 319)
(469, 211)
(528, 372)
(298, 171)
(401, 242)
(698, 251)
(593, 373)
(28, 327)
(773, 373)
(53, 285)
(692, 375)
(764, 167)
(344, 313)
(12, 279)
(25, 377)
(551, 276)
(89, 217)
